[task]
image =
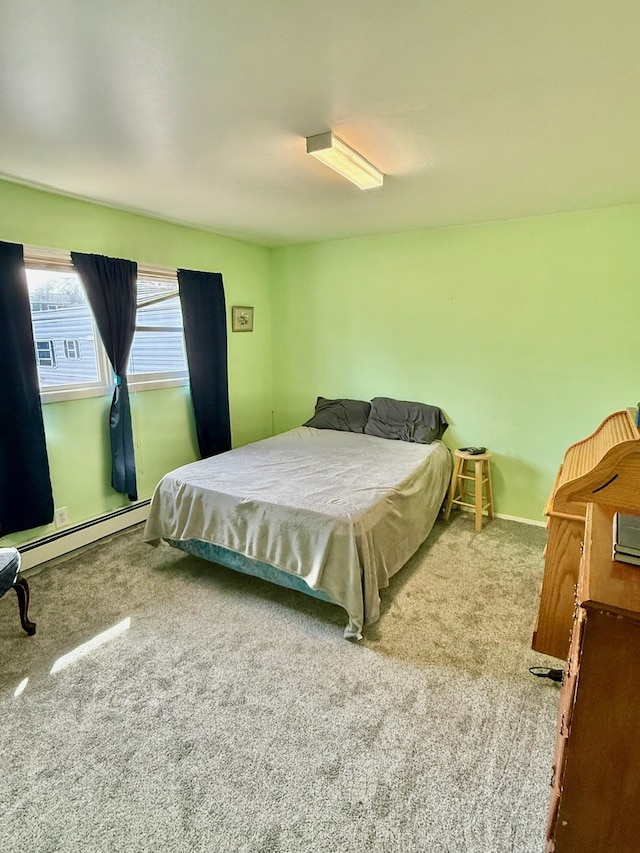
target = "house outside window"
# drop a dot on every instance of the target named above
(158, 343)
(68, 323)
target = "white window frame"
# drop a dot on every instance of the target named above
(37, 257)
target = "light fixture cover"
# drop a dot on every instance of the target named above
(340, 157)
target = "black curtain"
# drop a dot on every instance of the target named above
(26, 498)
(111, 288)
(205, 333)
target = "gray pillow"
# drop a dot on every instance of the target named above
(400, 420)
(345, 415)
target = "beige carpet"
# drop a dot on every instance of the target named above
(232, 716)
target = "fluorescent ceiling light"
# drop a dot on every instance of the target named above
(337, 155)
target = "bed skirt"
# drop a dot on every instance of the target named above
(246, 566)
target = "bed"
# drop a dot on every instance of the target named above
(331, 512)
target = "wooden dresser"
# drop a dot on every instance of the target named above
(603, 468)
(595, 801)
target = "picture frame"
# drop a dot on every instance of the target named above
(242, 318)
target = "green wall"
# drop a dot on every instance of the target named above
(164, 434)
(525, 332)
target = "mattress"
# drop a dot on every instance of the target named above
(341, 511)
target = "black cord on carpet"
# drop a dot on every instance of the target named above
(545, 672)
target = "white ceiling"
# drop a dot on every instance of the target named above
(196, 111)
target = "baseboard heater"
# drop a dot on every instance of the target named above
(63, 542)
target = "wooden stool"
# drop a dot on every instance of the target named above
(480, 477)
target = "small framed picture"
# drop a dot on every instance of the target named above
(241, 318)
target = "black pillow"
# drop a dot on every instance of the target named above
(345, 415)
(400, 420)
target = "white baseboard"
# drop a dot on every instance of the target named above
(65, 541)
(510, 517)
(521, 520)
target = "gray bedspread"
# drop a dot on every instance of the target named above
(341, 510)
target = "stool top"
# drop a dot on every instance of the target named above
(9, 565)
(478, 457)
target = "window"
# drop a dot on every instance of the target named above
(61, 318)
(46, 354)
(63, 325)
(158, 343)
(72, 348)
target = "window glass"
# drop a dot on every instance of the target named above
(158, 343)
(62, 324)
